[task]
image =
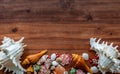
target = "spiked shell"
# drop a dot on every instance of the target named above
(10, 54)
(79, 62)
(108, 56)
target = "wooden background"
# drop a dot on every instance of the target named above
(63, 26)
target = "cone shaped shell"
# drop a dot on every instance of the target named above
(79, 62)
(30, 69)
(32, 59)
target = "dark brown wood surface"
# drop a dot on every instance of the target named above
(60, 11)
(63, 26)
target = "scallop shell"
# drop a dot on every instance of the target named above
(44, 70)
(10, 54)
(108, 55)
(79, 71)
(65, 59)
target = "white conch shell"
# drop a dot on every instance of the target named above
(10, 54)
(108, 56)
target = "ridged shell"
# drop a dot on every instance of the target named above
(107, 56)
(79, 62)
(10, 54)
(32, 59)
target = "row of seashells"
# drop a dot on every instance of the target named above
(54, 64)
(106, 59)
(11, 52)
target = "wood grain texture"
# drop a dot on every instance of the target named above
(60, 38)
(60, 11)
(63, 26)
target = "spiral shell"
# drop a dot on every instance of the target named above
(32, 59)
(10, 54)
(107, 54)
(30, 69)
(79, 62)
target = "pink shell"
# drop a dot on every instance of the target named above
(66, 59)
(42, 69)
(79, 72)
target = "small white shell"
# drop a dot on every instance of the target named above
(66, 72)
(42, 59)
(94, 69)
(54, 63)
(52, 67)
(53, 56)
(48, 63)
(85, 56)
(88, 73)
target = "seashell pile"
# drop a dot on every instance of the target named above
(65, 59)
(55, 64)
(108, 56)
(51, 65)
(105, 59)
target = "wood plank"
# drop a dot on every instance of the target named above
(62, 38)
(63, 26)
(60, 11)
(57, 36)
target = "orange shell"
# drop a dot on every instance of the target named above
(30, 69)
(32, 59)
(79, 62)
(59, 70)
